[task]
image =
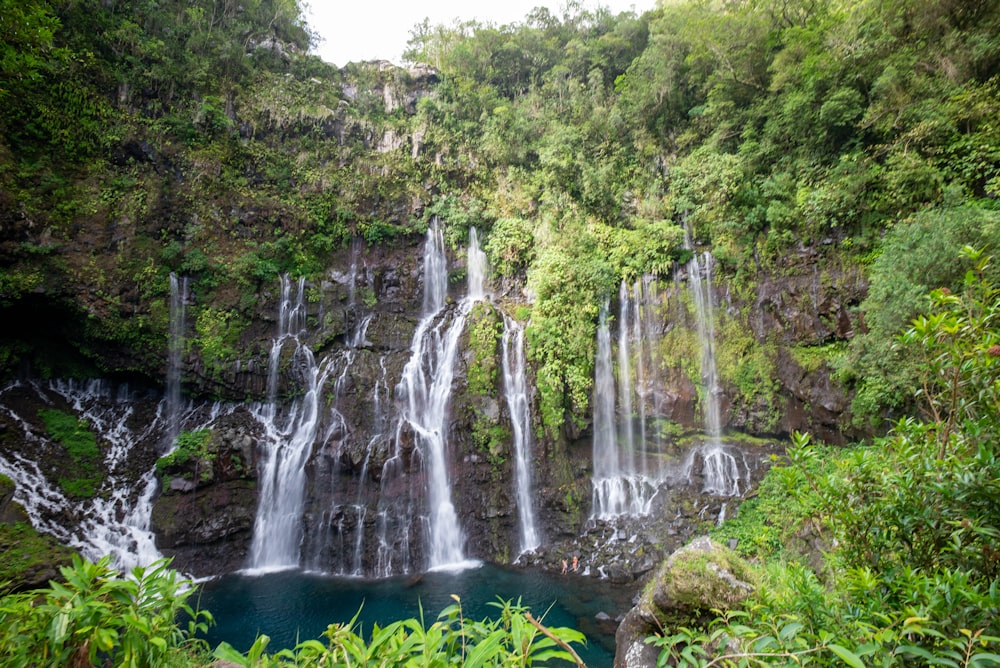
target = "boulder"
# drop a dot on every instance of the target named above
(696, 579)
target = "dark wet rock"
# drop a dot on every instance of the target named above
(205, 514)
(207, 531)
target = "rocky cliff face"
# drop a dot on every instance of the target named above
(367, 340)
(363, 465)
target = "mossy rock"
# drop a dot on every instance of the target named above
(700, 577)
(29, 559)
(695, 580)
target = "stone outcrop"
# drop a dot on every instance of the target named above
(696, 579)
(204, 515)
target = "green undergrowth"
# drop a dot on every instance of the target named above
(191, 448)
(24, 552)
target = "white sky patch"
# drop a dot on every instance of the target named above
(356, 30)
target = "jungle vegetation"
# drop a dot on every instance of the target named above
(143, 138)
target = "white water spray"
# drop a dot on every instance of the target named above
(722, 472)
(515, 382)
(476, 267)
(278, 531)
(115, 522)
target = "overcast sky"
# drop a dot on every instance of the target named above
(354, 30)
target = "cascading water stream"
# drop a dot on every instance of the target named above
(624, 483)
(476, 268)
(278, 530)
(515, 382)
(609, 490)
(721, 471)
(424, 392)
(413, 392)
(435, 271)
(115, 522)
(625, 385)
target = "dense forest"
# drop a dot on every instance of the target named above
(140, 139)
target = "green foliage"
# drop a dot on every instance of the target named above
(510, 246)
(96, 617)
(919, 255)
(190, 448)
(763, 523)
(515, 637)
(749, 366)
(25, 552)
(81, 445)
(218, 331)
(485, 331)
(958, 347)
(651, 248)
(568, 283)
(814, 358)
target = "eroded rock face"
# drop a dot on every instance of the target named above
(361, 320)
(698, 578)
(773, 380)
(204, 515)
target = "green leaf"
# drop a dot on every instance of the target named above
(226, 652)
(847, 656)
(486, 652)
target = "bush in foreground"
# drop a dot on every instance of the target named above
(908, 528)
(97, 618)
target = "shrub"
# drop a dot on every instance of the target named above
(514, 638)
(96, 617)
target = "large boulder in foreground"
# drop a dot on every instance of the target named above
(698, 578)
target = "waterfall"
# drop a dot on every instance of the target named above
(175, 354)
(643, 341)
(278, 531)
(625, 386)
(701, 292)
(609, 491)
(114, 522)
(624, 484)
(721, 471)
(435, 270)
(426, 389)
(515, 383)
(424, 394)
(476, 267)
